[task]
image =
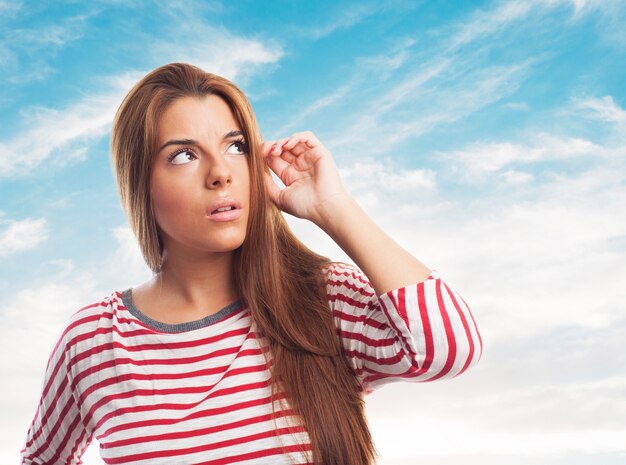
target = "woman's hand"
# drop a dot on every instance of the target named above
(312, 184)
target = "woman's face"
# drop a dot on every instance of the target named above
(200, 181)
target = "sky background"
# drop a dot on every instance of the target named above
(487, 137)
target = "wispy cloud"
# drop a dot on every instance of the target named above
(18, 45)
(485, 23)
(220, 52)
(609, 14)
(603, 109)
(520, 106)
(60, 134)
(347, 16)
(428, 100)
(18, 236)
(65, 135)
(318, 105)
(377, 68)
(431, 88)
(443, 86)
(213, 48)
(9, 8)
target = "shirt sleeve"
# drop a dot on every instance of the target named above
(421, 332)
(57, 434)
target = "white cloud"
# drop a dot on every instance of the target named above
(32, 321)
(22, 235)
(542, 269)
(34, 317)
(603, 109)
(235, 58)
(212, 48)
(127, 256)
(385, 176)
(476, 162)
(538, 398)
(532, 258)
(516, 177)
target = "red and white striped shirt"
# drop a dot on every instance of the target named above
(198, 392)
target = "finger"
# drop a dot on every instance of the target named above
(297, 144)
(276, 150)
(286, 148)
(272, 147)
(304, 137)
(297, 149)
(307, 159)
(266, 147)
(278, 166)
(289, 157)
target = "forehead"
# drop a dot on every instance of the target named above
(209, 116)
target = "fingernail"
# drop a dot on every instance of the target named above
(273, 147)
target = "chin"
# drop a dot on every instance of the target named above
(229, 245)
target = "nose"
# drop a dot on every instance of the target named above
(219, 175)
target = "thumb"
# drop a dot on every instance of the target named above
(272, 189)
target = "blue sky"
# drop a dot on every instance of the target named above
(487, 137)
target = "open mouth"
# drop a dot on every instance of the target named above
(223, 209)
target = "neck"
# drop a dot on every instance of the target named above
(198, 281)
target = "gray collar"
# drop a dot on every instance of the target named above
(127, 300)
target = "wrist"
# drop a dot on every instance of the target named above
(335, 210)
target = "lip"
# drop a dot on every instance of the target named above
(230, 215)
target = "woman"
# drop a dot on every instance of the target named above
(245, 347)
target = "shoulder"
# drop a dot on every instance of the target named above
(89, 320)
(98, 309)
(81, 330)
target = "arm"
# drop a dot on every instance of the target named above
(387, 265)
(420, 332)
(56, 434)
(399, 319)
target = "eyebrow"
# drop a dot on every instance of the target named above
(228, 135)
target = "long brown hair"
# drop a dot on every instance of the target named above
(279, 278)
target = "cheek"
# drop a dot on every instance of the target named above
(168, 203)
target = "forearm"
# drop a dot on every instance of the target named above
(387, 265)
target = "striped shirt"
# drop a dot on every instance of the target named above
(198, 393)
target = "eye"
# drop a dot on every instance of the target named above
(181, 157)
(241, 146)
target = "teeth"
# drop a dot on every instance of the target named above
(224, 209)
